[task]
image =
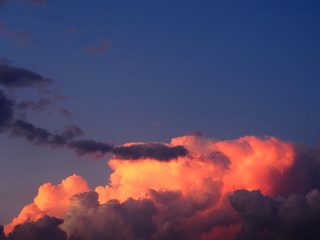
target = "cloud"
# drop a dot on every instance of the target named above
(44, 228)
(6, 110)
(98, 49)
(196, 196)
(157, 151)
(302, 176)
(89, 146)
(295, 217)
(14, 77)
(41, 136)
(87, 219)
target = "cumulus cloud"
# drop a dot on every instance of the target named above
(196, 196)
(88, 220)
(44, 228)
(295, 217)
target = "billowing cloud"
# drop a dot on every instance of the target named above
(193, 196)
(189, 188)
(44, 228)
(131, 219)
(295, 217)
(52, 200)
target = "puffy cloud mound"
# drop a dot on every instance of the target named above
(296, 217)
(194, 195)
(45, 228)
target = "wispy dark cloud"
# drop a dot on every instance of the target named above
(158, 151)
(41, 136)
(6, 111)
(98, 49)
(15, 77)
(36, 106)
(89, 146)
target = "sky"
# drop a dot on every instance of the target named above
(151, 71)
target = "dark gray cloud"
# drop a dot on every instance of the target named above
(157, 151)
(89, 146)
(178, 216)
(163, 215)
(14, 77)
(6, 110)
(46, 228)
(41, 136)
(86, 219)
(295, 217)
(2, 236)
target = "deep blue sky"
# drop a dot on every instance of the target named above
(227, 68)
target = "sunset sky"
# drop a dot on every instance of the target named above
(127, 72)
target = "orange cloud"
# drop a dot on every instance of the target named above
(192, 188)
(52, 200)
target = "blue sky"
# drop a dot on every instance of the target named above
(226, 68)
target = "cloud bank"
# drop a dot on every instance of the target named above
(238, 189)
